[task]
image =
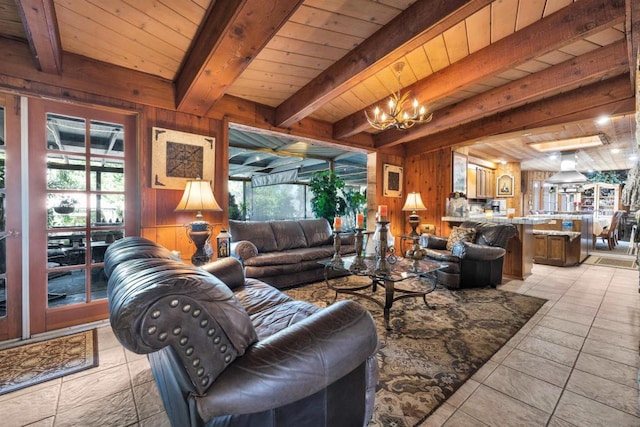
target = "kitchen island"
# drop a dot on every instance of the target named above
(563, 240)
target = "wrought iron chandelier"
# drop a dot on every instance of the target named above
(396, 115)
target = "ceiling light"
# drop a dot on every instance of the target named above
(568, 144)
(615, 150)
(394, 114)
(603, 120)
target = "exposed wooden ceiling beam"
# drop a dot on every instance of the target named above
(41, 26)
(589, 68)
(559, 29)
(612, 96)
(234, 32)
(414, 27)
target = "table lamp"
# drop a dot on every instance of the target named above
(414, 203)
(198, 197)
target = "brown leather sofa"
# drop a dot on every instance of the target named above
(285, 253)
(477, 263)
(230, 351)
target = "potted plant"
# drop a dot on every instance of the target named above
(327, 201)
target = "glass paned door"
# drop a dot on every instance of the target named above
(3, 222)
(89, 193)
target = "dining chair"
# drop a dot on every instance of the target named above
(609, 234)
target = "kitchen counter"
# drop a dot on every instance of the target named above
(519, 220)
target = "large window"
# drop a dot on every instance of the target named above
(282, 201)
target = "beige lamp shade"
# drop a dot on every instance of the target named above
(198, 197)
(414, 203)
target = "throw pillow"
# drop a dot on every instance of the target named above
(459, 234)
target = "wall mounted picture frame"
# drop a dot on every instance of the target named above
(504, 186)
(459, 170)
(180, 156)
(392, 181)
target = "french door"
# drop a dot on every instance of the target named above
(82, 180)
(10, 220)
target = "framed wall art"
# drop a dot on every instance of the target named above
(504, 186)
(180, 156)
(459, 168)
(392, 181)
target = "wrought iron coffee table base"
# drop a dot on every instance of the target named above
(389, 286)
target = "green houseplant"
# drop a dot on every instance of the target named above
(327, 201)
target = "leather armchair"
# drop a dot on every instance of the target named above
(227, 351)
(471, 264)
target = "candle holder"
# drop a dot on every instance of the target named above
(382, 265)
(337, 259)
(416, 253)
(358, 263)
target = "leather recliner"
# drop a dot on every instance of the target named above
(471, 264)
(229, 351)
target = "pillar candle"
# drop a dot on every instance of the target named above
(337, 223)
(382, 211)
(359, 220)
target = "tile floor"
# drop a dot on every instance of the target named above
(575, 363)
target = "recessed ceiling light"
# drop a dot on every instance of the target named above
(633, 157)
(504, 162)
(602, 120)
(615, 150)
(553, 156)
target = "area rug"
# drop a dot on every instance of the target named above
(33, 363)
(429, 354)
(629, 263)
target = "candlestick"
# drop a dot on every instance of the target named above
(337, 259)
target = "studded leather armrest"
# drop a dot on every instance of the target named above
(433, 242)
(243, 250)
(294, 363)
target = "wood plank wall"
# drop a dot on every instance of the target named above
(431, 175)
(159, 222)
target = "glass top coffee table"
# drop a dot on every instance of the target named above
(398, 271)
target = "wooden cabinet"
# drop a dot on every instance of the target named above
(480, 182)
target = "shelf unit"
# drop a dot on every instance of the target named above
(600, 199)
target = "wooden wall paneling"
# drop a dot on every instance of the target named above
(396, 216)
(431, 175)
(513, 169)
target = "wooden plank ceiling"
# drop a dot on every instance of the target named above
(496, 74)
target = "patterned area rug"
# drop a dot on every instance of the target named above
(429, 354)
(37, 362)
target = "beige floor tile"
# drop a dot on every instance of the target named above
(108, 358)
(500, 355)
(612, 325)
(572, 316)
(605, 368)
(93, 387)
(460, 419)
(463, 393)
(157, 420)
(439, 416)
(147, 398)
(106, 338)
(621, 314)
(538, 367)
(548, 350)
(47, 422)
(583, 412)
(587, 300)
(484, 371)
(116, 409)
(611, 352)
(558, 337)
(530, 390)
(30, 407)
(140, 371)
(28, 390)
(534, 292)
(564, 326)
(497, 409)
(605, 391)
(623, 340)
(557, 422)
(577, 308)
